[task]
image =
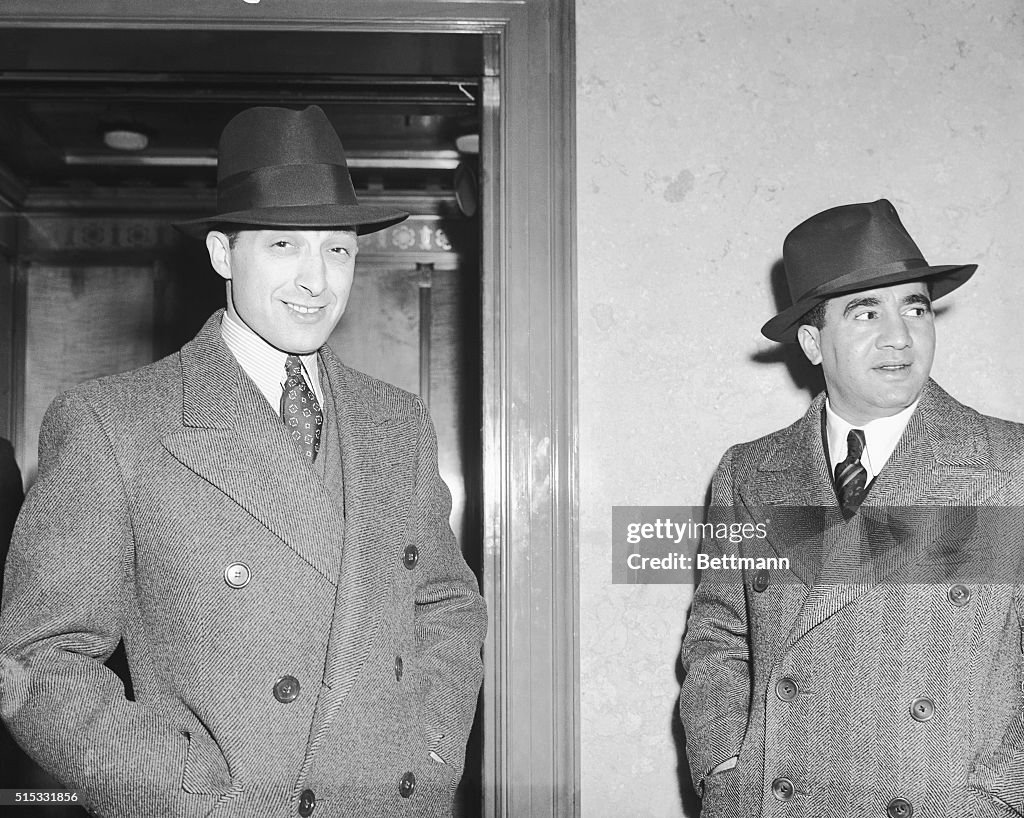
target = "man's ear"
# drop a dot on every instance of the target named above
(809, 338)
(218, 246)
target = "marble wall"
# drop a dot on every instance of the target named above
(706, 129)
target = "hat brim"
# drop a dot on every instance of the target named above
(783, 327)
(363, 218)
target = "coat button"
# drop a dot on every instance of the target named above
(307, 800)
(782, 788)
(407, 786)
(237, 575)
(762, 579)
(410, 557)
(286, 689)
(398, 668)
(786, 689)
(959, 595)
(899, 808)
(922, 709)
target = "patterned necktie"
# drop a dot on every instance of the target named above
(851, 476)
(300, 411)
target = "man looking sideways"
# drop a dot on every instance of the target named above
(848, 685)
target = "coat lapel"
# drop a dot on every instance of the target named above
(941, 465)
(233, 439)
(792, 492)
(379, 459)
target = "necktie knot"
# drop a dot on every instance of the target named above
(850, 476)
(300, 410)
(293, 369)
(855, 443)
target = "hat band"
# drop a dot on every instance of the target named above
(285, 186)
(862, 276)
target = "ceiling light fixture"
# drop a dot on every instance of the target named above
(125, 139)
(468, 144)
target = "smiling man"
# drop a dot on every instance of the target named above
(266, 531)
(289, 286)
(881, 675)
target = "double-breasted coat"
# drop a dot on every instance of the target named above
(881, 673)
(296, 645)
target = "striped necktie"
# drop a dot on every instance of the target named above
(300, 411)
(851, 477)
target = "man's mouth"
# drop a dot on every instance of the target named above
(894, 367)
(301, 309)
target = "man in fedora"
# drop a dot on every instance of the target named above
(266, 531)
(880, 673)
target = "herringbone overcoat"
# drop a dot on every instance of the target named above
(881, 674)
(152, 484)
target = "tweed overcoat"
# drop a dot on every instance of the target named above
(152, 483)
(881, 674)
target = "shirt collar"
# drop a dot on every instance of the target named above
(881, 437)
(263, 363)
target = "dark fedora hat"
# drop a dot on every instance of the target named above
(278, 167)
(850, 248)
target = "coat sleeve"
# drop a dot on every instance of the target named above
(65, 597)
(714, 701)
(450, 614)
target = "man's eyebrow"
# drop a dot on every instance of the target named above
(917, 298)
(865, 301)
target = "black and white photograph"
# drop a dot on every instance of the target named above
(511, 409)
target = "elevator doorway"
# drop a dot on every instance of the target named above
(109, 135)
(530, 546)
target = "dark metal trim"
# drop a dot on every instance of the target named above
(446, 92)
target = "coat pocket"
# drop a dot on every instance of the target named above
(206, 770)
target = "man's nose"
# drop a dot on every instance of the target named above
(895, 333)
(312, 275)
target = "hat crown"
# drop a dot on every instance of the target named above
(264, 137)
(844, 241)
(280, 167)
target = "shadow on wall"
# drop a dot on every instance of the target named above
(803, 374)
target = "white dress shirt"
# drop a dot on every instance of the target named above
(881, 437)
(264, 364)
